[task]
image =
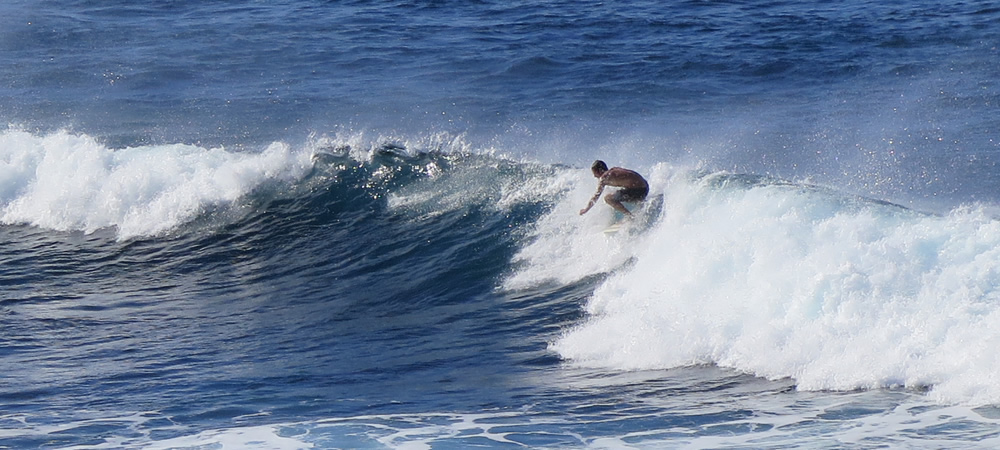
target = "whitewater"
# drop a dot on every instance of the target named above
(782, 280)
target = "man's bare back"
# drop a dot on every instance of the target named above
(634, 187)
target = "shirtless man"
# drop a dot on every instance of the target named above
(634, 187)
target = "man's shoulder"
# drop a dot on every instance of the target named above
(621, 172)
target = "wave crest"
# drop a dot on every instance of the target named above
(72, 182)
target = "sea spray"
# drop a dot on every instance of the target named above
(564, 247)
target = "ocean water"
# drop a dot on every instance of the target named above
(342, 224)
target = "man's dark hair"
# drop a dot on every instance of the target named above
(599, 165)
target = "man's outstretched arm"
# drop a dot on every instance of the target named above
(593, 200)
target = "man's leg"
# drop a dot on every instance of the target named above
(612, 199)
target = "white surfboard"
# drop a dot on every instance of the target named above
(645, 213)
(613, 229)
(618, 219)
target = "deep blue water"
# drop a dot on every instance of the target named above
(322, 224)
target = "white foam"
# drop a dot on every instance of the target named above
(907, 424)
(785, 281)
(249, 437)
(880, 418)
(565, 247)
(66, 181)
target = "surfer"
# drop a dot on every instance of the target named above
(634, 187)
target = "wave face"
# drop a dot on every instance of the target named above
(335, 270)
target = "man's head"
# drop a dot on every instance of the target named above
(598, 168)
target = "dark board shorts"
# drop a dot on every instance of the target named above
(631, 195)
